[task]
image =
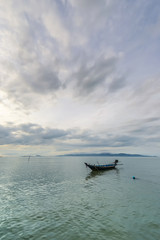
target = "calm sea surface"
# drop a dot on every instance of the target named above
(59, 198)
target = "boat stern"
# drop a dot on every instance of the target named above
(115, 162)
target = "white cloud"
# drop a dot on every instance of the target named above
(56, 29)
(89, 65)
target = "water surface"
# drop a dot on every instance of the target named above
(59, 198)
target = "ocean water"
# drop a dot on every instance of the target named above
(59, 198)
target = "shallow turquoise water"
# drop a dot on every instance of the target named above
(59, 198)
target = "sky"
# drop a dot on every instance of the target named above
(79, 76)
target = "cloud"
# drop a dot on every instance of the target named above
(40, 48)
(144, 97)
(29, 134)
(42, 80)
(117, 84)
(91, 16)
(30, 53)
(57, 55)
(133, 135)
(99, 74)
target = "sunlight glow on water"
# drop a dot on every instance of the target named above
(58, 198)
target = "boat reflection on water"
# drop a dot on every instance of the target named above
(94, 174)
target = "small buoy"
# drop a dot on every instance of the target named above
(134, 177)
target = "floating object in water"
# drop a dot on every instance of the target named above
(134, 177)
(102, 167)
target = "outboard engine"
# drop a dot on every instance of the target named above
(115, 162)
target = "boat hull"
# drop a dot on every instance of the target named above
(100, 167)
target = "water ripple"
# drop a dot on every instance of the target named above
(44, 201)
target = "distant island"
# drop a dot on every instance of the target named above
(104, 155)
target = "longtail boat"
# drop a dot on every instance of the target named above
(102, 167)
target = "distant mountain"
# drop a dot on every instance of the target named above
(104, 155)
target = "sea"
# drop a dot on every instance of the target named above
(58, 198)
